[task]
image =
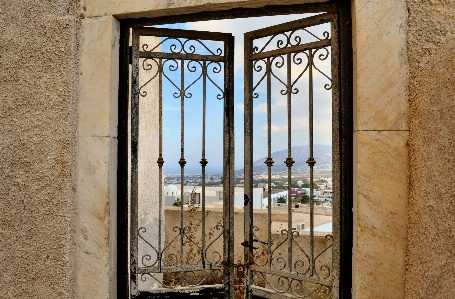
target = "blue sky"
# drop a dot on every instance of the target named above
(214, 133)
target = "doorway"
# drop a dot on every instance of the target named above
(199, 256)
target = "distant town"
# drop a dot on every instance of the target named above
(277, 190)
(279, 180)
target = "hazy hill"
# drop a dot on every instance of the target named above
(321, 153)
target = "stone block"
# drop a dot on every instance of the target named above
(380, 65)
(139, 8)
(96, 193)
(380, 199)
(99, 75)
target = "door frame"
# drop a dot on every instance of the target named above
(345, 125)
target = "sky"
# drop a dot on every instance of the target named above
(214, 127)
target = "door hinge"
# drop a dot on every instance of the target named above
(130, 55)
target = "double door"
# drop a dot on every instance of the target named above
(215, 235)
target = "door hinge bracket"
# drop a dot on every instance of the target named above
(246, 200)
(130, 55)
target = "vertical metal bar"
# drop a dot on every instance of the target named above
(203, 160)
(269, 161)
(248, 163)
(336, 248)
(311, 160)
(182, 154)
(134, 164)
(160, 161)
(228, 169)
(289, 161)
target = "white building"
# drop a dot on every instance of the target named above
(276, 195)
(212, 195)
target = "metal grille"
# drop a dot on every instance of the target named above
(187, 260)
(191, 254)
(289, 264)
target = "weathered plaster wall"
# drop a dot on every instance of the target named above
(39, 42)
(431, 48)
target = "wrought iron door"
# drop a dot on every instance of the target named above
(188, 254)
(185, 255)
(291, 263)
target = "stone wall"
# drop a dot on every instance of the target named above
(431, 208)
(39, 44)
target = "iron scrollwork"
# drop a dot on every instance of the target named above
(290, 263)
(182, 46)
(289, 39)
(188, 256)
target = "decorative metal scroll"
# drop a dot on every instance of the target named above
(291, 263)
(192, 253)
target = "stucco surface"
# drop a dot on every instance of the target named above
(431, 48)
(38, 121)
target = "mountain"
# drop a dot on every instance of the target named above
(321, 153)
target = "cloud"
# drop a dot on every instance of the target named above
(260, 108)
(275, 128)
(168, 107)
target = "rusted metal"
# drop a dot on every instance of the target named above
(157, 60)
(287, 276)
(296, 276)
(179, 268)
(297, 48)
(289, 159)
(273, 57)
(342, 144)
(134, 170)
(228, 169)
(160, 163)
(203, 161)
(311, 158)
(248, 256)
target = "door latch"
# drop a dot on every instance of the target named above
(245, 244)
